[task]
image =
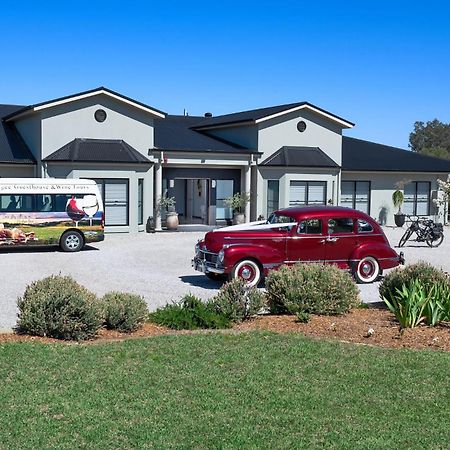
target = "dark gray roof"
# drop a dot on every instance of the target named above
(101, 88)
(13, 148)
(255, 114)
(98, 150)
(362, 155)
(299, 157)
(175, 133)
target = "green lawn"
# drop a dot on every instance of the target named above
(223, 391)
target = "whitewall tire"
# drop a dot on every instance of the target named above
(367, 270)
(248, 271)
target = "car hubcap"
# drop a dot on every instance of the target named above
(247, 273)
(72, 242)
(367, 269)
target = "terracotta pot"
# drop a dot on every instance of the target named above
(172, 221)
(238, 218)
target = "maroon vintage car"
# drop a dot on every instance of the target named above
(348, 238)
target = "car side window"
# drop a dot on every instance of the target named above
(340, 225)
(310, 226)
(364, 226)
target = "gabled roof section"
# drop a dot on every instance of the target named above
(71, 98)
(299, 157)
(13, 149)
(174, 133)
(359, 155)
(255, 116)
(97, 150)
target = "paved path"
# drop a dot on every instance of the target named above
(156, 266)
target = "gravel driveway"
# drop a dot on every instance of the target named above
(156, 266)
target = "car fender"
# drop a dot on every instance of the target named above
(378, 250)
(233, 253)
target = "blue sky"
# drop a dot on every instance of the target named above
(382, 65)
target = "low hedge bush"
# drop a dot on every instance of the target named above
(311, 288)
(427, 274)
(237, 301)
(418, 293)
(123, 312)
(59, 307)
(189, 314)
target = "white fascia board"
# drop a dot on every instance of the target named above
(344, 123)
(91, 94)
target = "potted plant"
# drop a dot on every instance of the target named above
(238, 202)
(397, 198)
(168, 204)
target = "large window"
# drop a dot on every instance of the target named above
(307, 193)
(140, 205)
(115, 198)
(224, 189)
(356, 195)
(417, 198)
(273, 196)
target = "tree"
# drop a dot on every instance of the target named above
(431, 138)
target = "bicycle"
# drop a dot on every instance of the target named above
(426, 231)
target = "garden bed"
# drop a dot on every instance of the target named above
(352, 327)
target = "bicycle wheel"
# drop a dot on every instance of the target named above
(435, 241)
(404, 238)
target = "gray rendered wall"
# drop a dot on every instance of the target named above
(16, 171)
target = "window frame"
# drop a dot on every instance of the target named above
(369, 197)
(307, 183)
(103, 182)
(414, 202)
(140, 206)
(267, 196)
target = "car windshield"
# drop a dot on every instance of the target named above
(278, 218)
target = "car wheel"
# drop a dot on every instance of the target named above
(367, 270)
(435, 241)
(72, 241)
(247, 270)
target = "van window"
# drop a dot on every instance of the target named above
(340, 225)
(310, 226)
(16, 203)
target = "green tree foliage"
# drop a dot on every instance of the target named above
(431, 138)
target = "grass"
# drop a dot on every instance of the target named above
(251, 390)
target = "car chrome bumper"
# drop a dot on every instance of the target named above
(401, 258)
(205, 267)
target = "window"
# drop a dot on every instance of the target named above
(273, 195)
(115, 198)
(310, 226)
(16, 203)
(340, 225)
(417, 198)
(275, 218)
(356, 195)
(224, 189)
(364, 227)
(140, 205)
(307, 193)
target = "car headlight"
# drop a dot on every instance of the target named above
(221, 256)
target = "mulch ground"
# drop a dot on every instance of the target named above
(370, 326)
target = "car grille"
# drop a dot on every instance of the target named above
(208, 256)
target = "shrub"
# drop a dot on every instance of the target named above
(59, 307)
(426, 273)
(311, 288)
(189, 314)
(123, 311)
(237, 301)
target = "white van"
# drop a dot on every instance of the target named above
(48, 211)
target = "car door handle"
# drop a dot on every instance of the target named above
(331, 239)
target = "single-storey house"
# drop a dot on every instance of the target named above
(293, 154)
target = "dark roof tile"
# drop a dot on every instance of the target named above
(98, 150)
(359, 155)
(299, 157)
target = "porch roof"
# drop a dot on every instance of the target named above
(97, 150)
(299, 157)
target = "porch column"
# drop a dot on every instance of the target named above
(247, 188)
(158, 193)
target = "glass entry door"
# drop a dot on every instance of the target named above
(224, 189)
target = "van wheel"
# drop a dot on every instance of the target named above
(367, 270)
(248, 271)
(72, 241)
